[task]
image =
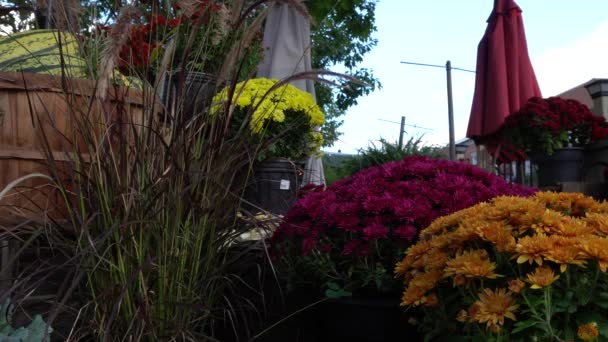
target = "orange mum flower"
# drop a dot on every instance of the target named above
(565, 251)
(549, 220)
(581, 205)
(471, 264)
(498, 234)
(419, 285)
(572, 227)
(434, 260)
(597, 249)
(459, 280)
(599, 223)
(532, 249)
(462, 316)
(495, 328)
(494, 307)
(588, 332)
(412, 254)
(542, 277)
(441, 241)
(516, 285)
(431, 300)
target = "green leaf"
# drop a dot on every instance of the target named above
(601, 302)
(333, 286)
(335, 294)
(523, 325)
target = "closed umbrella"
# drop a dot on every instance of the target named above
(287, 51)
(505, 78)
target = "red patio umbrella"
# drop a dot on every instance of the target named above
(505, 79)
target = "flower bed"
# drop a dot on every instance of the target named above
(346, 238)
(524, 268)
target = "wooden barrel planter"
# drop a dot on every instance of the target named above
(39, 118)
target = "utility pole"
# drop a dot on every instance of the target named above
(401, 131)
(448, 70)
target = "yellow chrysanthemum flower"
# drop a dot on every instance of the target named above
(274, 111)
(272, 104)
(542, 277)
(588, 332)
(493, 307)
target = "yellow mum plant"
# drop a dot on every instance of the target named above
(281, 115)
(513, 269)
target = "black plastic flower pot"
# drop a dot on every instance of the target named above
(565, 165)
(193, 91)
(366, 320)
(274, 185)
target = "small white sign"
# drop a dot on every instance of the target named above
(284, 184)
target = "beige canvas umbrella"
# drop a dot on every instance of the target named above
(287, 51)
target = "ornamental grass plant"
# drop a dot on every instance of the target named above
(513, 269)
(344, 240)
(151, 205)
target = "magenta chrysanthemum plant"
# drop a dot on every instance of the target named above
(346, 238)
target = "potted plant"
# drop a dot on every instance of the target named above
(284, 119)
(552, 132)
(343, 241)
(183, 45)
(512, 269)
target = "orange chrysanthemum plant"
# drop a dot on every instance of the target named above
(512, 269)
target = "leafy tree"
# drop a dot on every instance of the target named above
(341, 34)
(16, 15)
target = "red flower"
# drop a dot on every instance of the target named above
(308, 244)
(406, 232)
(175, 22)
(363, 250)
(375, 231)
(350, 247)
(325, 248)
(158, 20)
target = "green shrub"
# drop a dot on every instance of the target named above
(375, 155)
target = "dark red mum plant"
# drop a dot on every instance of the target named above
(546, 125)
(348, 236)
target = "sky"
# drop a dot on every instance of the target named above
(567, 44)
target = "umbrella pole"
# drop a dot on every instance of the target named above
(448, 70)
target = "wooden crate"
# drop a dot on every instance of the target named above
(37, 109)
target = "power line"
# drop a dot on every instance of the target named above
(415, 126)
(436, 66)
